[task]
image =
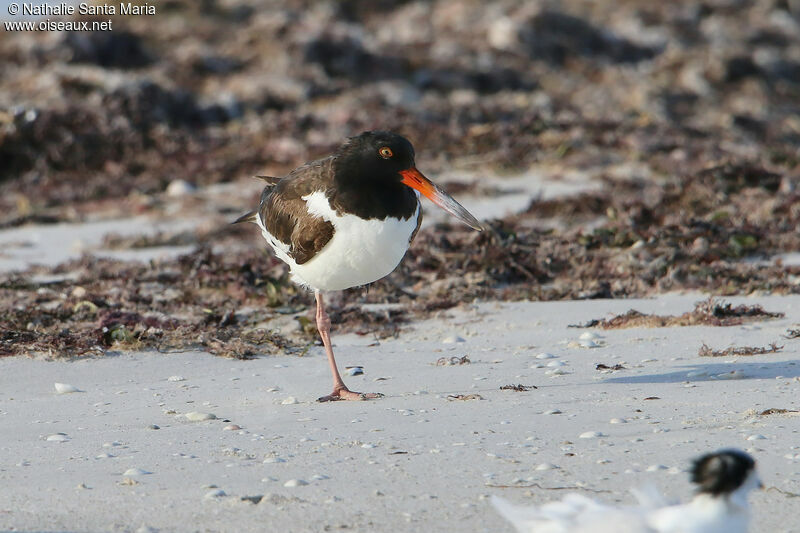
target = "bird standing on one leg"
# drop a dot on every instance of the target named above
(347, 220)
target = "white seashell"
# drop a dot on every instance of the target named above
(368, 445)
(231, 427)
(546, 466)
(213, 494)
(617, 421)
(552, 412)
(354, 371)
(319, 477)
(58, 437)
(591, 435)
(545, 355)
(135, 472)
(453, 339)
(756, 437)
(176, 378)
(195, 416)
(291, 400)
(589, 335)
(65, 388)
(295, 483)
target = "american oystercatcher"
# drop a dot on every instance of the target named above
(724, 479)
(347, 220)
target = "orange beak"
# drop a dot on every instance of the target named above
(414, 179)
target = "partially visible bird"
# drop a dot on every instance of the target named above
(724, 478)
(347, 220)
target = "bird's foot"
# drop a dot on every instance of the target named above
(346, 394)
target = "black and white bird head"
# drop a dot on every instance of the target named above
(382, 159)
(725, 473)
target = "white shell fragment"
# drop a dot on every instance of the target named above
(591, 435)
(545, 355)
(58, 437)
(453, 339)
(354, 370)
(295, 483)
(176, 378)
(65, 388)
(291, 400)
(195, 416)
(214, 494)
(135, 472)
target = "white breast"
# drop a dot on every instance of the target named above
(360, 251)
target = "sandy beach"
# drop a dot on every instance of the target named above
(159, 369)
(423, 458)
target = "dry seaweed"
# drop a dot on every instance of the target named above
(452, 361)
(519, 387)
(707, 351)
(710, 312)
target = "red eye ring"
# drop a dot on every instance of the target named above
(385, 152)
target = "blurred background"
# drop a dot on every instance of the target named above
(619, 149)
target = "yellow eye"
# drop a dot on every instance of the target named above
(386, 152)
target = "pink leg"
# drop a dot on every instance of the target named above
(340, 390)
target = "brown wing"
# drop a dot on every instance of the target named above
(285, 214)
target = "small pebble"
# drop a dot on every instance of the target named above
(546, 466)
(180, 188)
(153, 426)
(291, 400)
(552, 412)
(545, 355)
(756, 437)
(176, 378)
(656, 468)
(617, 421)
(591, 435)
(295, 483)
(453, 339)
(195, 416)
(78, 292)
(65, 388)
(58, 437)
(231, 427)
(354, 371)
